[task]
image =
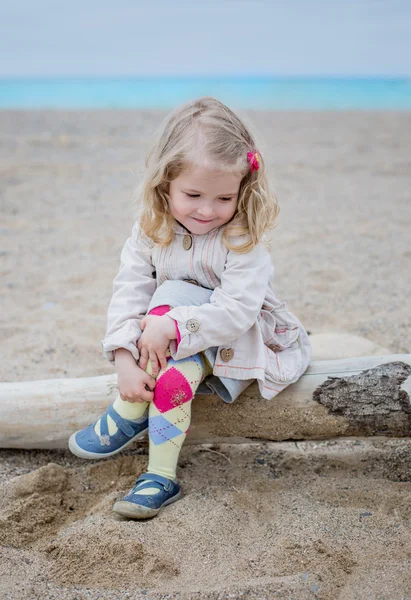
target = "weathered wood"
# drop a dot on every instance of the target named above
(372, 401)
(351, 396)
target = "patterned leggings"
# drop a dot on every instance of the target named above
(170, 412)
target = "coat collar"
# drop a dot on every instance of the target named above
(179, 228)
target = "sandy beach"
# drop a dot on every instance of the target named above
(326, 520)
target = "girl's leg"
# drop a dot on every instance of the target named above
(169, 421)
(170, 413)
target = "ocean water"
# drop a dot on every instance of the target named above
(260, 93)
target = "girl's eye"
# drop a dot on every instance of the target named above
(198, 195)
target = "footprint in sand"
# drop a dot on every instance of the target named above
(65, 514)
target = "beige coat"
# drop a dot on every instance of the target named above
(256, 336)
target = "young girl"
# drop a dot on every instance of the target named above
(193, 309)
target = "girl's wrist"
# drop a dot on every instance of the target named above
(172, 333)
(122, 357)
(170, 327)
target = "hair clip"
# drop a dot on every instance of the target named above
(254, 160)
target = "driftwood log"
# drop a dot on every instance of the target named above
(345, 397)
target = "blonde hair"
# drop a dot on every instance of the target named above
(205, 132)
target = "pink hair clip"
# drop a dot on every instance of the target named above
(254, 160)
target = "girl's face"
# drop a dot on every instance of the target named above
(202, 199)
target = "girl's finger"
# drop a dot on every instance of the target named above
(154, 363)
(163, 361)
(143, 359)
(147, 395)
(149, 382)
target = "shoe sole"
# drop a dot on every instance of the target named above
(137, 511)
(81, 453)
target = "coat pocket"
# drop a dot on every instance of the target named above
(281, 332)
(278, 327)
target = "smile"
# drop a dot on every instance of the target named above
(201, 221)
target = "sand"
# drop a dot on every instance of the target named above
(306, 520)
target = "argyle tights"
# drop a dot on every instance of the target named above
(170, 411)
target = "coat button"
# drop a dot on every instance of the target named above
(226, 354)
(187, 242)
(193, 325)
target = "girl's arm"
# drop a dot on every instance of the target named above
(133, 287)
(234, 306)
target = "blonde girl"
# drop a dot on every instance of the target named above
(193, 309)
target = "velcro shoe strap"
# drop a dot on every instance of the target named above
(144, 485)
(104, 425)
(167, 483)
(121, 423)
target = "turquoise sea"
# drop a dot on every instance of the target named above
(269, 93)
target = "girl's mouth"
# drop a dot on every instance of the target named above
(202, 221)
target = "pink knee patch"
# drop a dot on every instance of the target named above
(160, 310)
(172, 389)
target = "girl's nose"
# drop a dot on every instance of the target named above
(205, 211)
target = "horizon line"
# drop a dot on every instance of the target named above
(398, 77)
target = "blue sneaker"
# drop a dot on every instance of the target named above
(140, 506)
(87, 444)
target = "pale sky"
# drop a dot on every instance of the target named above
(213, 37)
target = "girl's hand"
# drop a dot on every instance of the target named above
(134, 384)
(154, 341)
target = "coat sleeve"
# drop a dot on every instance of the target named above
(234, 305)
(133, 287)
